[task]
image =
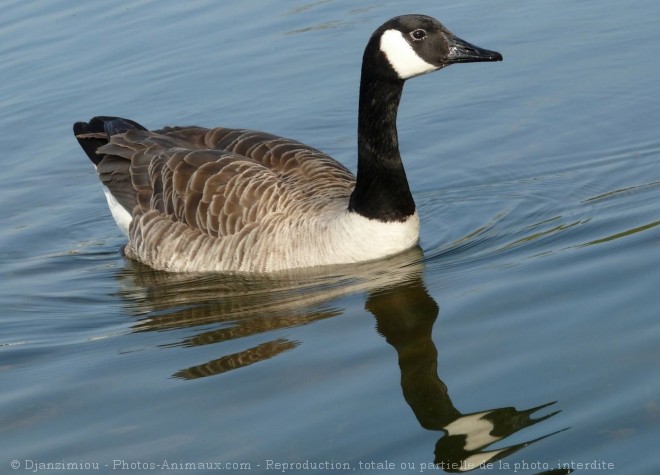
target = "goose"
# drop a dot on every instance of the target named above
(193, 199)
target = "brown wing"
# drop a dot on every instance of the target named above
(218, 181)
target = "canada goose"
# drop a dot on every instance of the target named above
(196, 199)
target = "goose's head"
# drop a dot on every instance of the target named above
(410, 45)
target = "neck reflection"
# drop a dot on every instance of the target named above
(405, 316)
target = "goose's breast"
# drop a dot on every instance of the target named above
(348, 237)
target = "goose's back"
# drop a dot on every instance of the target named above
(222, 199)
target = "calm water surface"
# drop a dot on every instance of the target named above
(528, 318)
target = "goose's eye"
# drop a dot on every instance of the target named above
(418, 34)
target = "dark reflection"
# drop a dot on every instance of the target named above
(228, 307)
(405, 316)
(231, 306)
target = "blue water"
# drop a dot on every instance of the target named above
(538, 185)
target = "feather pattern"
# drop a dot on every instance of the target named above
(232, 199)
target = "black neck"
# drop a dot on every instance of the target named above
(381, 191)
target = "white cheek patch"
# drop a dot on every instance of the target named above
(402, 56)
(475, 428)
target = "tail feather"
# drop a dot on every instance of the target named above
(97, 132)
(113, 170)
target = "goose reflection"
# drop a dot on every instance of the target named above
(405, 316)
(238, 306)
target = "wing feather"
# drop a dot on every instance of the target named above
(188, 185)
(219, 180)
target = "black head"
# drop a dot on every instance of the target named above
(410, 45)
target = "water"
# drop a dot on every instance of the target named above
(533, 297)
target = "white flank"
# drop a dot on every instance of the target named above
(402, 56)
(122, 217)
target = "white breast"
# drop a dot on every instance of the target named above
(359, 238)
